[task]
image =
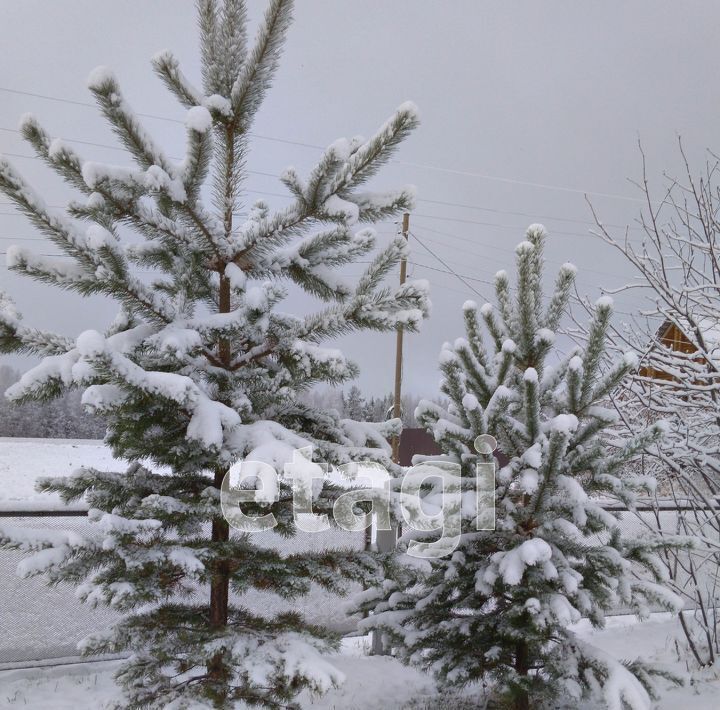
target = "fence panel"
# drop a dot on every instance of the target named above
(691, 573)
(39, 622)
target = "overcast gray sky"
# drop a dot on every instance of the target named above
(524, 106)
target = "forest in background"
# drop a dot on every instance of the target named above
(61, 418)
(65, 417)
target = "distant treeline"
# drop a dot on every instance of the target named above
(65, 418)
(62, 418)
(353, 405)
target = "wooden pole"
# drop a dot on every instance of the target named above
(387, 539)
(397, 411)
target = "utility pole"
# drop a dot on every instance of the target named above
(387, 539)
(397, 411)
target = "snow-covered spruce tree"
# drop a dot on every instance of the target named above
(202, 368)
(497, 609)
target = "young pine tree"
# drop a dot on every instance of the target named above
(498, 608)
(202, 368)
(355, 404)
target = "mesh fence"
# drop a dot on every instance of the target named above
(692, 575)
(38, 622)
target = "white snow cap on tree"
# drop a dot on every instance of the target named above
(198, 119)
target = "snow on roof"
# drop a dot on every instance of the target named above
(708, 326)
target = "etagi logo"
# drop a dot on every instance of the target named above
(430, 498)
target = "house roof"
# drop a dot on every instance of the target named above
(709, 327)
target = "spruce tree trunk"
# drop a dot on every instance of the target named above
(217, 668)
(220, 584)
(522, 659)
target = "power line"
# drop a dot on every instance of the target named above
(510, 227)
(471, 240)
(87, 104)
(62, 207)
(484, 281)
(501, 249)
(452, 273)
(62, 256)
(449, 261)
(463, 278)
(505, 251)
(515, 213)
(423, 166)
(110, 147)
(461, 205)
(76, 140)
(36, 157)
(448, 234)
(556, 232)
(446, 265)
(514, 181)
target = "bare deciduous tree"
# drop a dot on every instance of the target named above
(677, 262)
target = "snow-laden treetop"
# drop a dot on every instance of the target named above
(200, 333)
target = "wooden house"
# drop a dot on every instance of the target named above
(675, 337)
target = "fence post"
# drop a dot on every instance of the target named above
(385, 542)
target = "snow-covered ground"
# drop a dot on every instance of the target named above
(23, 461)
(371, 682)
(658, 640)
(37, 621)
